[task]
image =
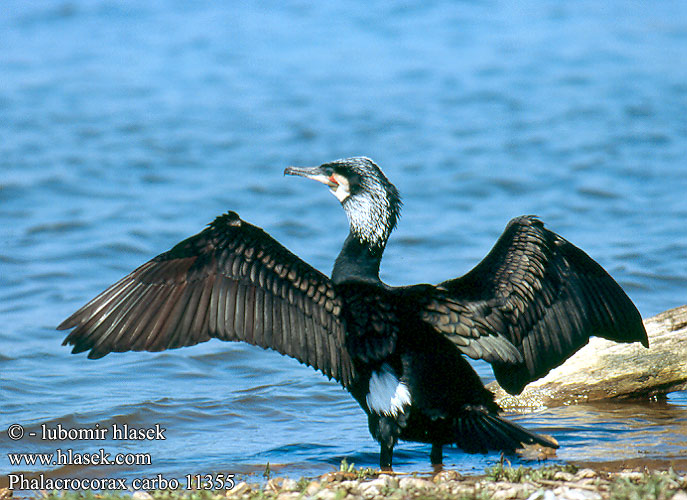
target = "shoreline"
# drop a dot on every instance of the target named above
(500, 482)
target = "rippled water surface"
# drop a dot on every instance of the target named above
(126, 126)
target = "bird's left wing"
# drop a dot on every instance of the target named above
(232, 281)
(531, 303)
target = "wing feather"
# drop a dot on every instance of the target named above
(232, 281)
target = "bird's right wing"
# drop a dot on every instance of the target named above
(232, 281)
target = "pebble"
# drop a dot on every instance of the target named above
(289, 485)
(388, 480)
(290, 495)
(566, 493)
(631, 475)
(368, 489)
(312, 488)
(586, 474)
(238, 490)
(542, 495)
(142, 495)
(510, 492)
(415, 483)
(275, 484)
(563, 476)
(349, 486)
(447, 475)
(325, 495)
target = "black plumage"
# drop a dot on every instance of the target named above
(531, 303)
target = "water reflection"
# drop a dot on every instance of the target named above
(622, 433)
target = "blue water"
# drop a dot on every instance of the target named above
(127, 126)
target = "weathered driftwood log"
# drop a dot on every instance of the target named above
(603, 369)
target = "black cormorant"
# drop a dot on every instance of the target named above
(533, 301)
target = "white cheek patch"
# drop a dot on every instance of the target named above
(387, 395)
(343, 189)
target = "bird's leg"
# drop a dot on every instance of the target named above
(385, 430)
(436, 455)
(385, 456)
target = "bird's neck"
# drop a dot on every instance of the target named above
(357, 261)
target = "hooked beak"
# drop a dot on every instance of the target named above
(315, 173)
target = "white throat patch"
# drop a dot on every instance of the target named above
(387, 395)
(368, 218)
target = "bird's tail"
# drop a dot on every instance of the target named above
(477, 431)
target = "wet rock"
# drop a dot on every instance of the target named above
(447, 475)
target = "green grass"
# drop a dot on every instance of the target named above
(503, 472)
(361, 473)
(650, 486)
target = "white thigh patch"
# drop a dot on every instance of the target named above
(387, 395)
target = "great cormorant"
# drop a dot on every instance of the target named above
(533, 301)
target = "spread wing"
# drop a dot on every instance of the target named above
(232, 281)
(531, 303)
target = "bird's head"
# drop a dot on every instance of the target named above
(372, 204)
